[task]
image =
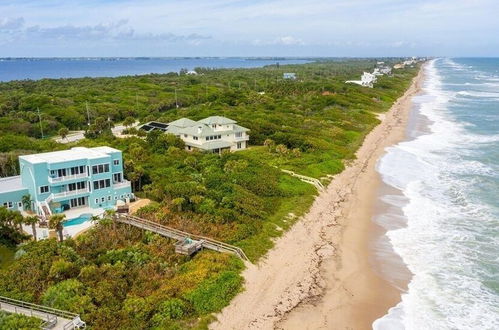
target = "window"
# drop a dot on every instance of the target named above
(8, 205)
(116, 162)
(239, 144)
(103, 199)
(44, 189)
(108, 198)
(72, 186)
(81, 185)
(96, 201)
(19, 204)
(102, 168)
(239, 134)
(207, 138)
(195, 138)
(117, 177)
(115, 198)
(185, 135)
(61, 172)
(220, 136)
(80, 201)
(100, 184)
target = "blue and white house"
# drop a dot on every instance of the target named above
(60, 181)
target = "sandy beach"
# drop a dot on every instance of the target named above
(319, 274)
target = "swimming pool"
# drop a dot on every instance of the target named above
(79, 220)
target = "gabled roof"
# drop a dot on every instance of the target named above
(217, 120)
(183, 122)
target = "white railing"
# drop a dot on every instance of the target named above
(68, 193)
(123, 184)
(67, 177)
(49, 314)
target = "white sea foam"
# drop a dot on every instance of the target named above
(448, 230)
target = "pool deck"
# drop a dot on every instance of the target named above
(73, 230)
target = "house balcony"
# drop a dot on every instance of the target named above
(67, 178)
(67, 194)
(123, 184)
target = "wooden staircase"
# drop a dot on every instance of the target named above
(181, 236)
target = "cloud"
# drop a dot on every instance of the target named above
(117, 31)
(289, 40)
(283, 41)
(8, 23)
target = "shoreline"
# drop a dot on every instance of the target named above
(319, 274)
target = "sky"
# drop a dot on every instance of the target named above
(355, 28)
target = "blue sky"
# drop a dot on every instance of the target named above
(40, 28)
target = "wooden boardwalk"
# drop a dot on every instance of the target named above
(313, 181)
(180, 236)
(50, 318)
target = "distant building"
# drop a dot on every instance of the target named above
(213, 134)
(192, 73)
(62, 180)
(367, 80)
(289, 75)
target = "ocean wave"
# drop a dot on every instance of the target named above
(450, 240)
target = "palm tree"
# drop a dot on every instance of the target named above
(63, 132)
(26, 200)
(32, 220)
(56, 222)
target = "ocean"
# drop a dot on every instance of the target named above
(39, 68)
(443, 218)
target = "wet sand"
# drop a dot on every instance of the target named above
(320, 275)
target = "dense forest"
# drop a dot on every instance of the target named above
(118, 277)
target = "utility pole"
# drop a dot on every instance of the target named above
(88, 114)
(176, 100)
(40, 119)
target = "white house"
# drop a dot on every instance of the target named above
(214, 134)
(367, 80)
(289, 75)
(192, 73)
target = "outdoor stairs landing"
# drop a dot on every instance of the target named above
(51, 318)
(196, 241)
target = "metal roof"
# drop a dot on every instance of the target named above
(211, 145)
(217, 120)
(183, 122)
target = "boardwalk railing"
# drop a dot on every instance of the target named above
(316, 182)
(48, 314)
(180, 235)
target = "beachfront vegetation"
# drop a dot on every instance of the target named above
(123, 278)
(10, 321)
(311, 125)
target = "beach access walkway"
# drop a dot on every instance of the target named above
(182, 237)
(313, 181)
(51, 318)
